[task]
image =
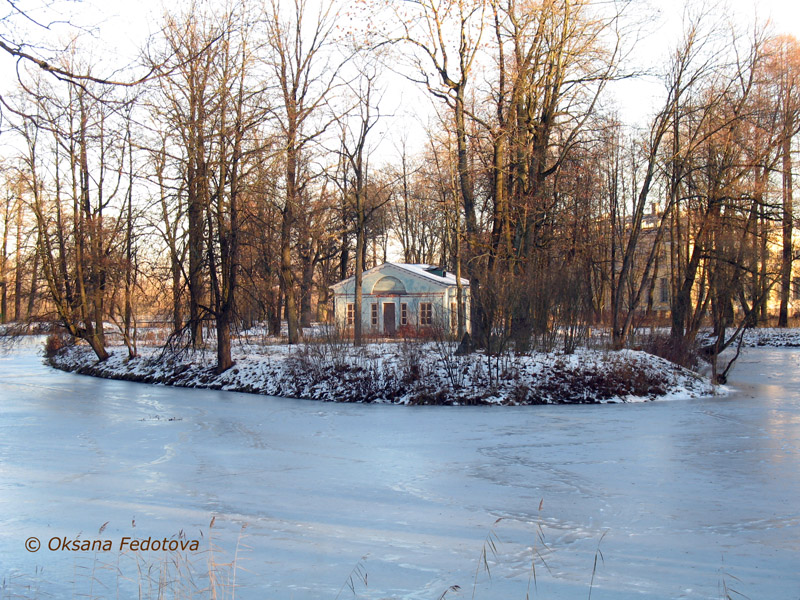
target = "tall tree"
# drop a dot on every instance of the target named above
(75, 135)
(186, 64)
(446, 36)
(356, 127)
(305, 71)
(783, 68)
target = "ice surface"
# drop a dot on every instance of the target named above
(691, 495)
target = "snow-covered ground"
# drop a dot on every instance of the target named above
(683, 498)
(407, 373)
(773, 337)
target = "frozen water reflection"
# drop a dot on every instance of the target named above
(688, 493)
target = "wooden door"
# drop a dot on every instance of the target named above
(389, 320)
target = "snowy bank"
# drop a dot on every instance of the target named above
(406, 373)
(773, 337)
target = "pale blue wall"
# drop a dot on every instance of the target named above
(417, 289)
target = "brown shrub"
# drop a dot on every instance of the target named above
(677, 351)
(55, 342)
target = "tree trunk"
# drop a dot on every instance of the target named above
(4, 263)
(344, 256)
(477, 315)
(177, 305)
(195, 211)
(274, 312)
(322, 304)
(292, 193)
(287, 277)
(98, 347)
(18, 269)
(224, 356)
(788, 214)
(34, 282)
(359, 274)
(306, 316)
(461, 314)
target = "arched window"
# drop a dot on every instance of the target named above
(389, 285)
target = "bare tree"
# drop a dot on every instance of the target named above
(446, 36)
(77, 137)
(783, 69)
(186, 85)
(356, 127)
(305, 74)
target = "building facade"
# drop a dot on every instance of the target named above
(401, 299)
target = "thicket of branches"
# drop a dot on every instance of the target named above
(238, 179)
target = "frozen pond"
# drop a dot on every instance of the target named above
(690, 496)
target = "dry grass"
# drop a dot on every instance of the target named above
(208, 574)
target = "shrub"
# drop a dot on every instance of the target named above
(410, 353)
(674, 350)
(55, 342)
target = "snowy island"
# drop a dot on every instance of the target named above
(412, 373)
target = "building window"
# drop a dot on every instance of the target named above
(453, 316)
(374, 313)
(403, 314)
(663, 289)
(796, 288)
(351, 313)
(425, 313)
